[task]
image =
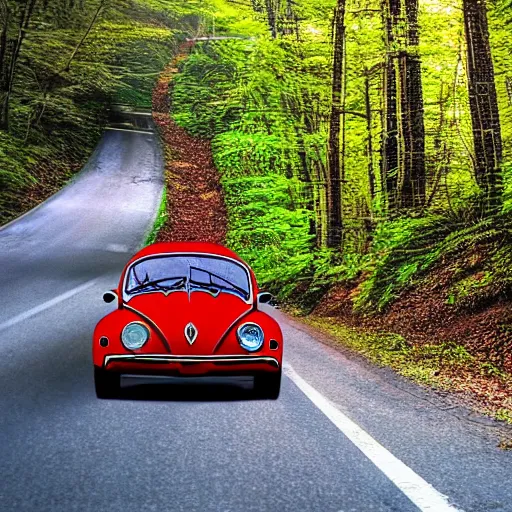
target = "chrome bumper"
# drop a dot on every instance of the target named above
(169, 359)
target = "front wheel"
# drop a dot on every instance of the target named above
(107, 384)
(268, 385)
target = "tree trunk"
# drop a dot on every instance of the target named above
(389, 143)
(413, 173)
(289, 21)
(3, 37)
(9, 69)
(369, 147)
(272, 17)
(483, 101)
(4, 65)
(334, 192)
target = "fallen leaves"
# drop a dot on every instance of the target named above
(196, 210)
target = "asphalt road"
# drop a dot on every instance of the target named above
(343, 436)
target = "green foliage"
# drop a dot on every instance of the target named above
(161, 219)
(134, 54)
(239, 154)
(226, 17)
(404, 251)
(14, 160)
(400, 250)
(267, 231)
(468, 286)
(219, 94)
(505, 415)
(202, 94)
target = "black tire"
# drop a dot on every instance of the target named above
(107, 384)
(268, 385)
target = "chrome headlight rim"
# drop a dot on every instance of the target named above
(241, 341)
(139, 345)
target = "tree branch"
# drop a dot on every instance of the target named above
(87, 32)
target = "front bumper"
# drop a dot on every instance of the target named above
(164, 364)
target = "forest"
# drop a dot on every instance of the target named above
(365, 154)
(364, 147)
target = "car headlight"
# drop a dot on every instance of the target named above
(250, 337)
(134, 336)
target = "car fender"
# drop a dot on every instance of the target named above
(229, 344)
(111, 327)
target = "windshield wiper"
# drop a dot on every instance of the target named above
(218, 287)
(157, 286)
(212, 288)
(215, 289)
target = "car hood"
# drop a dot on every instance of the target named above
(211, 316)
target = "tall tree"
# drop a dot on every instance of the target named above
(334, 188)
(483, 101)
(10, 51)
(271, 8)
(403, 144)
(413, 179)
(369, 146)
(389, 143)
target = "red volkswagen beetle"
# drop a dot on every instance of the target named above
(187, 309)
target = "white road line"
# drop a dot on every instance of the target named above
(118, 248)
(420, 492)
(46, 305)
(112, 129)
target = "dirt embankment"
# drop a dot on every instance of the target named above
(424, 318)
(423, 315)
(195, 209)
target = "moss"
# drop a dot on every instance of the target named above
(421, 363)
(504, 415)
(469, 285)
(161, 219)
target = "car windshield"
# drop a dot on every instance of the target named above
(212, 274)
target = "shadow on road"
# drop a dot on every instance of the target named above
(204, 389)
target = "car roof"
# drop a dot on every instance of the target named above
(186, 247)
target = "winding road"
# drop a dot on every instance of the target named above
(344, 435)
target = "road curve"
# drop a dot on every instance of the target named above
(207, 446)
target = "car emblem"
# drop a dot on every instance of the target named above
(191, 333)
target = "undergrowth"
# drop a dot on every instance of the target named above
(404, 251)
